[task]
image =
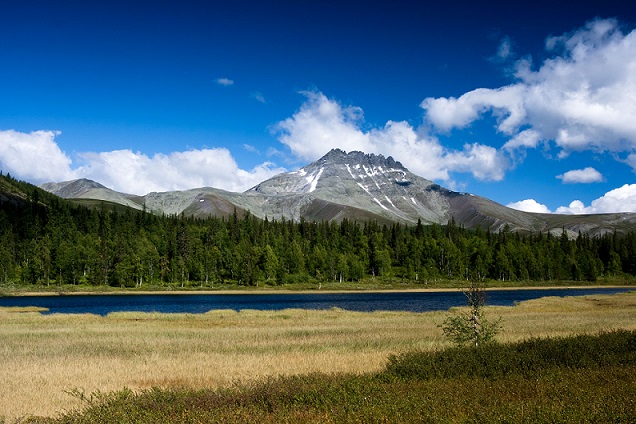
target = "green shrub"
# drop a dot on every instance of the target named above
(471, 327)
(527, 358)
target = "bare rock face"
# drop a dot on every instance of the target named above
(355, 186)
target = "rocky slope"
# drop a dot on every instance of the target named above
(87, 189)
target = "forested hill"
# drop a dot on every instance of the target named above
(45, 240)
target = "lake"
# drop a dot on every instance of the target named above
(102, 304)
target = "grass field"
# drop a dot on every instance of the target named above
(46, 358)
(573, 379)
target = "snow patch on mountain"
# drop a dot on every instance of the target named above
(380, 203)
(350, 173)
(364, 188)
(389, 200)
(313, 180)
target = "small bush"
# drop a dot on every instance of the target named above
(471, 327)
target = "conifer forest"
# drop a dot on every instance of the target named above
(46, 240)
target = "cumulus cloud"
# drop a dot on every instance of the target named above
(36, 157)
(484, 162)
(622, 199)
(135, 172)
(581, 98)
(506, 102)
(526, 138)
(529, 205)
(33, 156)
(587, 175)
(322, 124)
(225, 81)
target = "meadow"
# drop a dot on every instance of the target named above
(55, 363)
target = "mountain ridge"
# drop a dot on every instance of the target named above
(355, 186)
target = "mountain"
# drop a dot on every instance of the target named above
(88, 190)
(355, 186)
(343, 185)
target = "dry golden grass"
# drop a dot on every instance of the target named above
(45, 356)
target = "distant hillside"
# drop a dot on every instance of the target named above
(356, 186)
(10, 191)
(19, 193)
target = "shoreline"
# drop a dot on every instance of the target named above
(301, 291)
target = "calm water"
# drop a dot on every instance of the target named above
(201, 303)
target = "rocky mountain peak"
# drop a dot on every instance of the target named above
(330, 173)
(338, 156)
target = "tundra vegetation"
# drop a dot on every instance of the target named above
(319, 366)
(46, 241)
(573, 379)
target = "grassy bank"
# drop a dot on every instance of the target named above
(377, 284)
(45, 357)
(574, 379)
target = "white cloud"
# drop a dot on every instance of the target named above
(506, 102)
(622, 199)
(484, 162)
(225, 81)
(134, 172)
(529, 205)
(251, 149)
(587, 175)
(37, 158)
(504, 51)
(582, 98)
(576, 208)
(258, 96)
(322, 124)
(34, 156)
(526, 138)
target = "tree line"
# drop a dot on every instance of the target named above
(47, 240)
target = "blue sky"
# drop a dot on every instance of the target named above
(530, 105)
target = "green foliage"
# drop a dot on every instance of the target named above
(47, 241)
(471, 327)
(529, 358)
(575, 379)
